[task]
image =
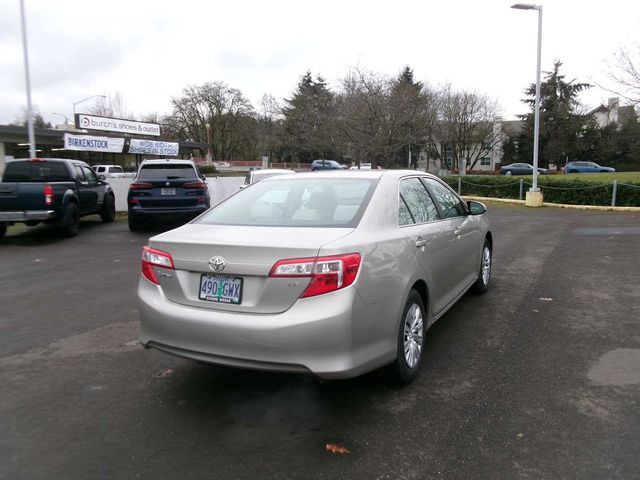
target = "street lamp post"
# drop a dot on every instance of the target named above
(32, 136)
(66, 119)
(84, 100)
(534, 195)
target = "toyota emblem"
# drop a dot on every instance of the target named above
(217, 264)
(167, 184)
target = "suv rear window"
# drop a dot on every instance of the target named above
(166, 171)
(27, 171)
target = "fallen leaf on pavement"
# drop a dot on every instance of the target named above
(336, 448)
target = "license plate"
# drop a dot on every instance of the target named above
(220, 288)
(167, 191)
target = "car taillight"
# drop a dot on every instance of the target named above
(327, 273)
(140, 186)
(48, 195)
(198, 185)
(155, 258)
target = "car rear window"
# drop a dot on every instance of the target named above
(166, 171)
(288, 202)
(26, 171)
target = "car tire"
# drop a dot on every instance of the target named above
(3, 229)
(484, 275)
(134, 225)
(410, 341)
(71, 220)
(508, 172)
(108, 211)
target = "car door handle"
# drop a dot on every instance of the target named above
(421, 242)
(457, 233)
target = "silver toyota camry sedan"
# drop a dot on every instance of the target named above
(330, 273)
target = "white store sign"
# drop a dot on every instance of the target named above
(152, 147)
(93, 122)
(88, 143)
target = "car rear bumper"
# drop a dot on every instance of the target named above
(27, 215)
(167, 214)
(316, 335)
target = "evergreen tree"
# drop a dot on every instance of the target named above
(561, 123)
(308, 119)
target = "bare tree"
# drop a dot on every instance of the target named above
(269, 125)
(112, 106)
(626, 73)
(216, 114)
(378, 116)
(466, 129)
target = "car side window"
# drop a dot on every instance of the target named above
(450, 205)
(80, 174)
(417, 201)
(404, 215)
(90, 176)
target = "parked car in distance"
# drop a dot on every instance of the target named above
(325, 165)
(115, 171)
(334, 275)
(363, 166)
(254, 176)
(587, 167)
(166, 191)
(521, 169)
(56, 191)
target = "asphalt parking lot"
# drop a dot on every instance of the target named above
(539, 378)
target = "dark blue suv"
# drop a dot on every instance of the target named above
(325, 165)
(166, 191)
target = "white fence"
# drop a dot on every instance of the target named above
(219, 189)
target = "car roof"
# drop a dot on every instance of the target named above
(375, 174)
(167, 160)
(273, 170)
(66, 160)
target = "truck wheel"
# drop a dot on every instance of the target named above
(71, 220)
(108, 212)
(3, 229)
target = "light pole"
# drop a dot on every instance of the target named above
(534, 196)
(32, 137)
(84, 100)
(66, 119)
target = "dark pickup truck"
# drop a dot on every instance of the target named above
(55, 191)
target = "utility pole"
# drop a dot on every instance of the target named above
(32, 137)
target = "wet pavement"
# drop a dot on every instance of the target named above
(536, 379)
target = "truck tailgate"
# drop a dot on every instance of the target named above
(29, 197)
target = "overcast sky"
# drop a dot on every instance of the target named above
(150, 50)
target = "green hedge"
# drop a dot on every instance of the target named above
(207, 169)
(570, 191)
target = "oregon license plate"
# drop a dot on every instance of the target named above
(167, 191)
(220, 288)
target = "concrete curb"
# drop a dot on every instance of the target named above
(597, 208)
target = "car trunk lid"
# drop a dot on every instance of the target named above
(248, 254)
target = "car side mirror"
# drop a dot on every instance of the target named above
(102, 178)
(476, 208)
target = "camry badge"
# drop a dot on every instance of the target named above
(217, 264)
